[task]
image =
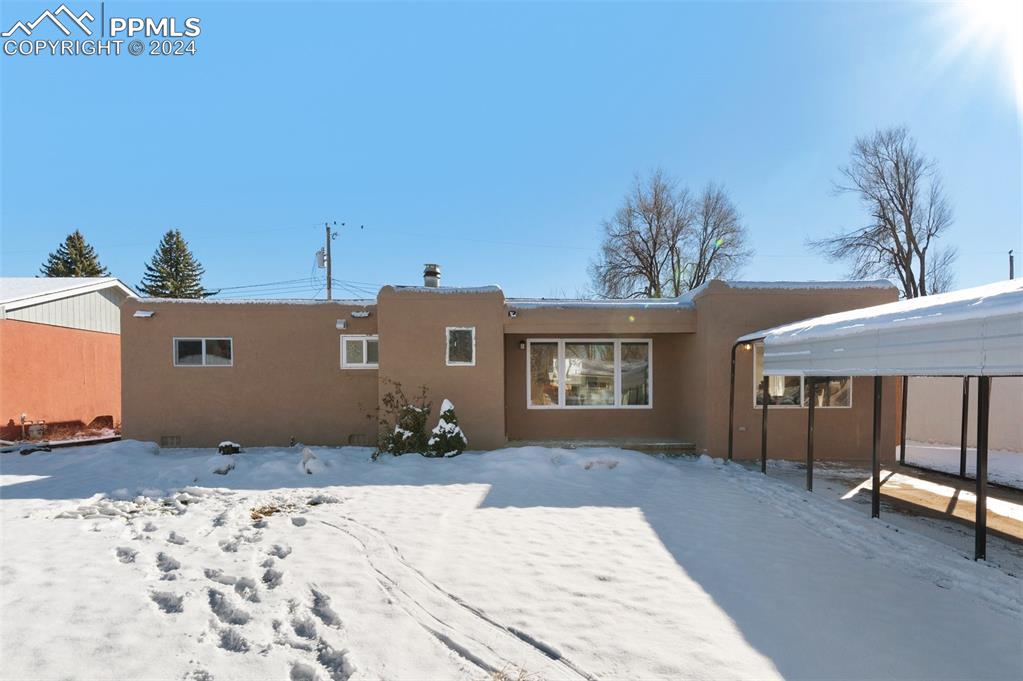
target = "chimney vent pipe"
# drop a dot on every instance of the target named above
(431, 275)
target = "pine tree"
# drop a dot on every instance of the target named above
(173, 271)
(447, 438)
(74, 258)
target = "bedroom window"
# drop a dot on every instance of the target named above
(589, 374)
(360, 352)
(461, 346)
(203, 352)
(793, 391)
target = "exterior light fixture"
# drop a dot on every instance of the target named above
(522, 345)
(747, 346)
(513, 313)
(341, 324)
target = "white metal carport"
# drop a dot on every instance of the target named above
(971, 332)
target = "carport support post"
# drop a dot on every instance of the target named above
(763, 428)
(965, 421)
(875, 462)
(731, 403)
(809, 435)
(905, 405)
(980, 524)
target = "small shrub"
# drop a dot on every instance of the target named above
(447, 439)
(403, 423)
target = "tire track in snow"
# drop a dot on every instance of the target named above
(447, 617)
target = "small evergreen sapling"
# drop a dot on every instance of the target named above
(447, 438)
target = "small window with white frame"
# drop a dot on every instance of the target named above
(794, 391)
(360, 352)
(203, 352)
(461, 346)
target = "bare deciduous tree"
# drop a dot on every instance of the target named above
(715, 243)
(662, 242)
(908, 210)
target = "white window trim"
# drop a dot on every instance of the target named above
(758, 390)
(447, 348)
(365, 341)
(560, 342)
(174, 351)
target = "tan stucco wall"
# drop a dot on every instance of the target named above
(661, 421)
(724, 314)
(286, 380)
(413, 348)
(935, 412)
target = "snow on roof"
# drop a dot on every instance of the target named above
(974, 331)
(598, 304)
(447, 289)
(23, 291)
(811, 285)
(359, 302)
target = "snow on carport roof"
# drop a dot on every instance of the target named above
(976, 331)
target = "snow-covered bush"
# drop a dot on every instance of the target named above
(403, 424)
(447, 439)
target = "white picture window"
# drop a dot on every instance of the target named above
(360, 352)
(461, 346)
(794, 391)
(203, 352)
(589, 373)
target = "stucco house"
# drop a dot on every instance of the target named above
(60, 353)
(633, 372)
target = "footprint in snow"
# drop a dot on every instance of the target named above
(167, 601)
(272, 578)
(165, 563)
(304, 627)
(298, 521)
(232, 641)
(225, 611)
(321, 608)
(280, 550)
(175, 538)
(126, 555)
(246, 588)
(268, 563)
(149, 527)
(303, 672)
(336, 662)
(229, 545)
(219, 577)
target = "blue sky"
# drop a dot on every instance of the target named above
(491, 138)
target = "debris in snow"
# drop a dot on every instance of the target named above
(322, 498)
(604, 463)
(311, 464)
(228, 447)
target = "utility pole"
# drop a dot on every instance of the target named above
(329, 293)
(1012, 265)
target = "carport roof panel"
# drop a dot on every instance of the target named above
(975, 331)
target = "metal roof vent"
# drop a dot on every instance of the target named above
(431, 275)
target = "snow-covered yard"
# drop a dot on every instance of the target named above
(1005, 468)
(122, 561)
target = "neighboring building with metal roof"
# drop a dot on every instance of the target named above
(60, 352)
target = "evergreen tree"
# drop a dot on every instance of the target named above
(173, 271)
(447, 438)
(74, 258)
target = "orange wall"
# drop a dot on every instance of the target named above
(53, 373)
